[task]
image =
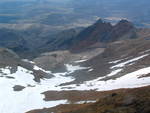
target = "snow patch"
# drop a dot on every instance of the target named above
(80, 61)
(88, 101)
(38, 68)
(31, 96)
(130, 80)
(72, 68)
(116, 61)
(90, 70)
(128, 62)
(115, 72)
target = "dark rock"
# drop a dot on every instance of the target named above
(18, 88)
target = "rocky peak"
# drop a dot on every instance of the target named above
(101, 22)
(122, 30)
(91, 35)
(124, 25)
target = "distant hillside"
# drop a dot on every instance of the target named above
(74, 12)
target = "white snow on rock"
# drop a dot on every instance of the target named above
(38, 68)
(26, 60)
(114, 62)
(5, 71)
(87, 101)
(114, 72)
(71, 68)
(130, 80)
(128, 62)
(146, 51)
(90, 70)
(30, 98)
(80, 61)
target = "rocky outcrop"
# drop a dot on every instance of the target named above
(10, 60)
(122, 30)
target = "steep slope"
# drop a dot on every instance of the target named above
(118, 59)
(12, 40)
(122, 30)
(28, 41)
(103, 32)
(63, 77)
(11, 62)
(122, 64)
(60, 41)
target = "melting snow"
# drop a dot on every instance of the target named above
(88, 101)
(130, 80)
(114, 72)
(90, 70)
(129, 61)
(26, 60)
(31, 98)
(114, 62)
(38, 68)
(79, 61)
(71, 68)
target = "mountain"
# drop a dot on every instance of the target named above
(11, 61)
(31, 40)
(74, 56)
(12, 40)
(60, 40)
(123, 29)
(103, 32)
(97, 74)
(110, 62)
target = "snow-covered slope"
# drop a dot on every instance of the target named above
(23, 82)
(30, 96)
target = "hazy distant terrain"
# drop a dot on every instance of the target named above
(62, 12)
(44, 22)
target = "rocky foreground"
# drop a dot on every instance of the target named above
(117, 101)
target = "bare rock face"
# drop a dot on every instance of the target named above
(8, 58)
(103, 32)
(18, 88)
(122, 30)
(91, 35)
(11, 60)
(53, 60)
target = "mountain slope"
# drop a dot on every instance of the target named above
(53, 77)
(103, 32)
(123, 101)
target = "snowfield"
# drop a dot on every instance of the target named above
(130, 80)
(31, 96)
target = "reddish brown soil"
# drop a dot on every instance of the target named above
(117, 101)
